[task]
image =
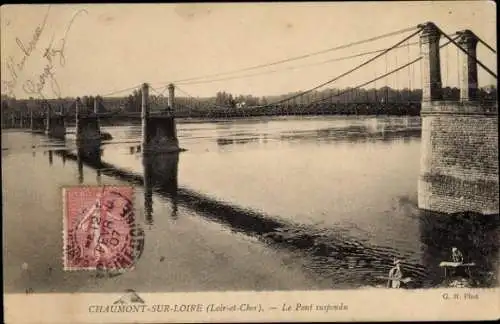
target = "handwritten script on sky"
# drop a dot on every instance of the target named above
(108, 49)
(41, 46)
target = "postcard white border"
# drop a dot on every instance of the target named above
(362, 305)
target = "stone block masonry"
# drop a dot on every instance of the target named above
(459, 162)
(459, 152)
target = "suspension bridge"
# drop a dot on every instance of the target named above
(459, 165)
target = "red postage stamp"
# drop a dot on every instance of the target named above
(100, 229)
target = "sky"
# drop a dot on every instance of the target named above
(98, 49)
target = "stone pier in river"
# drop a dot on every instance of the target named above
(37, 124)
(54, 123)
(158, 130)
(88, 133)
(459, 153)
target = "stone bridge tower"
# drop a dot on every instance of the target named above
(459, 152)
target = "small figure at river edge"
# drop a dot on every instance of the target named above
(395, 275)
(456, 255)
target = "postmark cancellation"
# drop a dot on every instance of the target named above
(100, 229)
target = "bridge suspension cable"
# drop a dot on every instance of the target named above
(396, 77)
(447, 63)
(184, 92)
(401, 31)
(372, 80)
(469, 55)
(486, 44)
(386, 81)
(381, 76)
(346, 73)
(193, 98)
(336, 59)
(458, 66)
(409, 75)
(155, 91)
(121, 90)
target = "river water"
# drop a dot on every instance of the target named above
(255, 204)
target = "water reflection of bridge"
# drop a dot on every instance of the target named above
(476, 236)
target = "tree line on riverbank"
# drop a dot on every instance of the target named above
(330, 101)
